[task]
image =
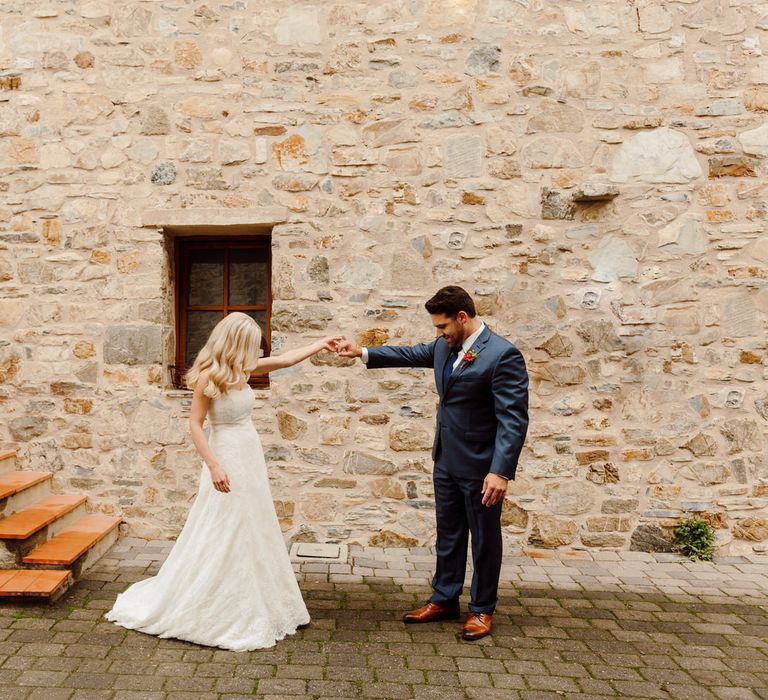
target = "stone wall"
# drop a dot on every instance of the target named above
(593, 172)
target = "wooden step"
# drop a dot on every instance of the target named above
(71, 543)
(31, 582)
(7, 461)
(25, 523)
(14, 482)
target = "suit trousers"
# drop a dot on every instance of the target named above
(459, 512)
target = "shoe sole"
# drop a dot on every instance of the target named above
(452, 616)
(473, 637)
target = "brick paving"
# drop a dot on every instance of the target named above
(569, 625)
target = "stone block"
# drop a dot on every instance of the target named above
(463, 156)
(755, 141)
(84, 59)
(291, 427)
(333, 429)
(187, 54)
(599, 336)
(550, 532)
(650, 537)
(595, 192)
(389, 538)
(719, 108)
(513, 516)
(163, 174)
(756, 99)
(701, 445)
(331, 483)
(568, 497)
(289, 317)
(751, 529)
(552, 152)
(299, 24)
(603, 540)
(360, 274)
(613, 259)
(608, 523)
(373, 337)
(557, 345)
(483, 60)
(661, 155)
(619, 505)
(387, 488)
(362, 463)
(742, 434)
(25, 428)
(406, 437)
(133, 345)
(319, 507)
(388, 132)
(554, 117)
(504, 168)
(563, 374)
(556, 205)
(154, 121)
(732, 166)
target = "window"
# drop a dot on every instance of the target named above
(214, 277)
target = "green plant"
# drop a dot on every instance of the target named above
(694, 538)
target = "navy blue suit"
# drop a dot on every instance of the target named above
(481, 426)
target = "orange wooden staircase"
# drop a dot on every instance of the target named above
(45, 540)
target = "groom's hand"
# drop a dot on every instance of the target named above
(346, 348)
(494, 489)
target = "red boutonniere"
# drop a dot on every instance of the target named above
(469, 357)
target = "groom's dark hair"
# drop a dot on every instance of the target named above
(450, 300)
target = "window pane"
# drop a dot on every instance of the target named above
(199, 326)
(206, 278)
(248, 277)
(261, 318)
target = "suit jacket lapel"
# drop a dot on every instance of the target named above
(477, 347)
(440, 366)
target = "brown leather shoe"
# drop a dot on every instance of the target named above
(477, 626)
(432, 612)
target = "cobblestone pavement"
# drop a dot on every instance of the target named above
(577, 625)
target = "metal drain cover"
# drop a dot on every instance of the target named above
(311, 551)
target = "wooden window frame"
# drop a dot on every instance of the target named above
(182, 246)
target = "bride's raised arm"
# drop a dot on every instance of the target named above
(293, 357)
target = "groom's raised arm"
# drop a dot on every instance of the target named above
(422, 355)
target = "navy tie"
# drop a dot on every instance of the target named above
(448, 369)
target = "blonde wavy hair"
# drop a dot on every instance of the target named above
(231, 351)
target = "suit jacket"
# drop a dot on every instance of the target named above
(482, 418)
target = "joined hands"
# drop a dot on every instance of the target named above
(348, 349)
(341, 346)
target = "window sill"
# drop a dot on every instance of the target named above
(261, 392)
(178, 393)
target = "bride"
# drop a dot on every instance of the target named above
(228, 581)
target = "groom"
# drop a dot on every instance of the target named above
(481, 425)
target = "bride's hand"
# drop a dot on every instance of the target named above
(220, 479)
(332, 344)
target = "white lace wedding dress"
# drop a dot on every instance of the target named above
(228, 581)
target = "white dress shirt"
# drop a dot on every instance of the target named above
(465, 346)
